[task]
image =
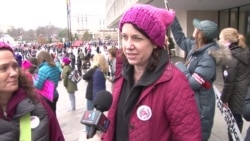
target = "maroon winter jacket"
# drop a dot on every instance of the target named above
(165, 111)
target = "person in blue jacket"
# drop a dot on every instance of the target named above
(48, 71)
(199, 67)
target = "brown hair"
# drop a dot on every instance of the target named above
(200, 39)
(27, 85)
(44, 56)
(112, 51)
(34, 63)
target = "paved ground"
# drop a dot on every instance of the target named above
(74, 131)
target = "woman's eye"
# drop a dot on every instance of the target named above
(15, 66)
(124, 37)
(3, 68)
(137, 38)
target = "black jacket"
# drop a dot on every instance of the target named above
(236, 78)
(88, 76)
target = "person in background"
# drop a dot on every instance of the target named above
(70, 86)
(99, 80)
(72, 60)
(19, 59)
(47, 71)
(112, 64)
(235, 72)
(199, 67)
(79, 64)
(150, 95)
(34, 69)
(95, 77)
(86, 64)
(59, 65)
(26, 65)
(18, 99)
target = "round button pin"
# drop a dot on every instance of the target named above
(34, 121)
(144, 112)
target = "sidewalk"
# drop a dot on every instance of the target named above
(74, 131)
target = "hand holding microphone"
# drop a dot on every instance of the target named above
(95, 119)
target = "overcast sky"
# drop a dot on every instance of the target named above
(33, 13)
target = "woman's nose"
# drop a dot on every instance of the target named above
(13, 71)
(129, 44)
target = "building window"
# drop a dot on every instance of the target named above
(223, 19)
(234, 18)
(238, 18)
(244, 22)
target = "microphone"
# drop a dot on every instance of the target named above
(95, 119)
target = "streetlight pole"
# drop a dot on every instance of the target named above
(69, 20)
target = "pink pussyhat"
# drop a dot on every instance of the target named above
(152, 20)
(26, 64)
(4, 45)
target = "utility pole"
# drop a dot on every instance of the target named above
(69, 20)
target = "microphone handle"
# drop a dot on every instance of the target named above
(91, 132)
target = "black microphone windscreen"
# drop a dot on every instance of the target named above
(103, 100)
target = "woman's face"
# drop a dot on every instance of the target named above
(8, 72)
(136, 47)
(195, 32)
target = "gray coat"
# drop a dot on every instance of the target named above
(9, 130)
(203, 65)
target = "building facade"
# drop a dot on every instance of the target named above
(227, 13)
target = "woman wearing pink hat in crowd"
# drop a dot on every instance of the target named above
(24, 115)
(152, 99)
(70, 86)
(26, 65)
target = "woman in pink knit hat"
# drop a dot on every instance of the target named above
(152, 99)
(26, 65)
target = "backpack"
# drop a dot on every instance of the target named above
(74, 76)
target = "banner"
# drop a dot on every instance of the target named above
(228, 117)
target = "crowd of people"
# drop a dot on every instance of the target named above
(153, 98)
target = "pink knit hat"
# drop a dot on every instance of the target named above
(4, 45)
(26, 64)
(152, 20)
(66, 60)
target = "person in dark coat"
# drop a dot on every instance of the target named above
(199, 67)
(79, 64)
(95, 77)
(72, 60)
(19, 59)
(235, 73)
